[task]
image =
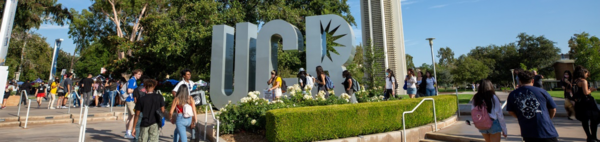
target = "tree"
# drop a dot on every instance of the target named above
(586, 52)
(446, 56)
(409, 62)
(499, 59)
(444, 76)
(469, 70)
(36, 62)
(538, 52)
(426, 67)
(372, 68)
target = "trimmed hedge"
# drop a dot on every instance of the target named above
(340, 121)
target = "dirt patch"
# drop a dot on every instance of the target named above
(244, 137)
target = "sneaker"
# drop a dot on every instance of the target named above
(129, 136)
(52, 108)
(64, 107)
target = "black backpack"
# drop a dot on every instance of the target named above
(395, 83)
(283, 86)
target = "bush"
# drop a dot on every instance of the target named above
(348, 120)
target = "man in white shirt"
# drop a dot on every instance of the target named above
(187, 75)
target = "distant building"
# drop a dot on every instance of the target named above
(382, 28)
(562, 65)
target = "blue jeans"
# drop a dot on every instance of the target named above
(430, 92)
(75, 99)
(105, 98)
(108, 95)
(180, 130)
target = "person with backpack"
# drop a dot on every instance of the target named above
(350, 85)
(302, 79)
(431, 82)
(391, 84)
(276, 81)
(534, 109)
(322, 81)
(87, 94)
(185, 115)
(486, 113)
(130, 101)
(150, 105)
(586, 108)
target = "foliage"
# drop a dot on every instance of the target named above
(586, 52)
(249, 114)
(339, 121)
(94, 58)
(469, 70)
(356, 66)
(35, 58)
(499, 59)
(409, 62)
(32, 13)
(444, 76)
(373, 68)
(446, 56)
(426, 67)
(538, 52)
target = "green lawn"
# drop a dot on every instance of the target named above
(560, 94)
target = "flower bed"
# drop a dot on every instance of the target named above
(339, 121)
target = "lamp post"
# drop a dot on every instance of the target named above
(512, 72)
(432, 60)
(54, 57)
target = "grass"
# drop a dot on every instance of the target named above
(560, 94)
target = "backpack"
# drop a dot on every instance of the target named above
(481, 118)
(283, 86)
(328, 82)
(188, 111)
(355, 86)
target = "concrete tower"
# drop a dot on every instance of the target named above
(382, 25)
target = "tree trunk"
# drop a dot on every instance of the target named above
(22, 55)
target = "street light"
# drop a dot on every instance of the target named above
(432, 60)
(512, 72)
(54, 56)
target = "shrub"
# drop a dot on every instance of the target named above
(348, 120)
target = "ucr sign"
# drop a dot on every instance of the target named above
(256, 54)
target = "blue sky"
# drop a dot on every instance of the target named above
(459, 24)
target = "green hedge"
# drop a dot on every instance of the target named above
(349, 120)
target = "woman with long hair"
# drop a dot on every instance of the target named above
(430, 81)
(276, 81)
(321, 83)
(486, 96)
(181, 122)
(411, 80)
(348, 85)
(568, 94)
(302, 79)
(586, 108)
(40, 92)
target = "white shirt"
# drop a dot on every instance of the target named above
(309, 81)
(189, 84)
(388, 83)
(430, 82)
(496, 113)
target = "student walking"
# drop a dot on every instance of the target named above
(149, 105)
(347, 82)
(537, 80)
(431, 82)
(130, 102)
(186, 76)
(567, 86)
(276, 89)
(53, 89)
(40, 93)
(411, 80)
(87, 84)
(9, 88)
(185, 115)
(586, 108)
(25, 87)
(302, 79)
(322, 81)
(534, 108)
(485, 99)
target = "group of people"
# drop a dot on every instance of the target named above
(416, 86)
(146, 108)
(534, 107)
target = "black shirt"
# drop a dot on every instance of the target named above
(26, 87)
(41, 89)
(537, 81)
(139, 93)
(346, 83)
(148, 106)
(87, 84)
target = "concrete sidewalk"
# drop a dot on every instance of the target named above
(11, 111)
(568, 130)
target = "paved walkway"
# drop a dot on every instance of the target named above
(568, 130)
(11, 111)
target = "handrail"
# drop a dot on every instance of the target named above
(206, 122)
(27, 117)
(20, 102)
(413, 110)
(504, 104)
(83, 126)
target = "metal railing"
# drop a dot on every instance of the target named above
(27, 117)
(83, 126)
(413, 110)
(21, 102)
(206, 122)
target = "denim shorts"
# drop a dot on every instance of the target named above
(496, 128)
(411, 90)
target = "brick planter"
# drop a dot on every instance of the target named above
(13, 100)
